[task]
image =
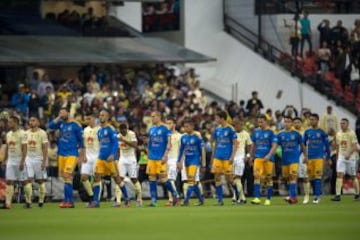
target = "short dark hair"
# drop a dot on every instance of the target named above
(345, 120)
(15, 119)
(222, 114)
(297, 118)
(65, 108)
(288, 117)
(123, 126)
(315, 115)
(261, 116)
(171, 118)
(188, 120)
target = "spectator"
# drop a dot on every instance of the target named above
(339, 33)
(324, 55)
(305, 33)
(254, 101)
(354, 78)
(290, 110)
(325, 32)
(93, 84)
(295, 34)
(357, 126)
(34, 81)
(279, 124)
(41, 90)
(343, 64)
(20, 101)
(329, 121)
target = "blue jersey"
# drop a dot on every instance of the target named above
(158, 141)
(224, 138)
(317, 143)
(108, 142)
(263, 140)
(70, 139)
(290, 142)
(191, 146)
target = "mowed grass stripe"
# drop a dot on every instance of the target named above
(328, 220)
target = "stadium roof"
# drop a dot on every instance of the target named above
(73, 51)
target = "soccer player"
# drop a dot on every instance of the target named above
(105, 163)
(347, 156)
(70, 147)
(92, 149)
(291, 143)
(264, 144)
(224, 137)
(36, 161)
(192, 156)
(245, 145)
(15, 154)
(302, 170)
(173, 156)
(128, 164)
(316, 141)
(159, 146)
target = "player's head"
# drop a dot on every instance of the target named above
(297, 123)
(90, 119)
(262, 122)
(220, 117)
(104, 116)
(34, 122)
(64, 113)
(156, 117)
(288, 122)
(238, 124)
(123, 128)
(188, 125)
(314, 120)
(14, 122)
(171, 122)
(344, 124)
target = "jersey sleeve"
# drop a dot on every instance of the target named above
(115, 142)
(248, 140)
(79, 135)
(181, 148)
(275, 139)
(133, 137)
(54, 126)
(44, 137)
(327, 144)
(305, 138)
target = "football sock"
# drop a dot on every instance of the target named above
(170, 187)
(306, 188)
(124, 192)
(236, 191)
(68, 190)
(189, 192)
(356, 185)
(185, 187)
(96, 191)
(118, 194)
(28, 192)
(9, 192)
(42, 192)
(219, 193)
(153, 191)
(317, 184)
(257, 190)
(88, 188)
(138, 190)
(338, 186)
(201, 190)
(196, 189)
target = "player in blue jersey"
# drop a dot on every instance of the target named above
(105, 164)
(291, 145)
(318, 148)
(192, 156)
(70, 147)
(158, 149)
(225, 147)
(264, 145)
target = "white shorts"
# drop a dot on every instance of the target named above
(302, 170)
(346, 166)
(13, 173)
(239, 166)
(128, 169)
(172, 169)
(88, 168)
(33, 170)
(184, 175)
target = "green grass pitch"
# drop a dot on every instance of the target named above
(327, 220)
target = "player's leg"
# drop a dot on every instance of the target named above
(133, 174)
(269, 172)
(285, 172)
(318, 173)
(191, 172)
(151, 170)
(87, 169)
(124, 171)
(229, 177)
(10, 178)
(169, 186)
(293, 174)
(172, 174)
(305, 181)
(340, 172)
(217, 169)
(185, 185)
(40, 178)
(99, 172)
(351, 170)
(30, 173)
(258, 173)
(69, 166)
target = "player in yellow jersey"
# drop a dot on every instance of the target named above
(36, 161)
(91, 143)
(15, 154)
(347, 157)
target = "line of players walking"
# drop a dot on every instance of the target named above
(102, 151)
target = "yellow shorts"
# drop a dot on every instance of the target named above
(67, 164)
(262, 168)
(315, 168)
(289, 170)
(191, 173)
(222, 167)
(106, 168)
(156, 167)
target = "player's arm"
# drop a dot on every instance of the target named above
(327, 146)
(6, 154)
(168, 147)
(181, 157)
(132, 143)
(114, 146)
(353, 146)
(23, 155)
(55, 123)
(274, 145)
(80, 139)
(44, 148)
(234, 149)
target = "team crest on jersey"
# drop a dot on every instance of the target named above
(105, 132)
(318, 134)
(192, 141)
(292, 137)
(266, 135)
(69, 128)
(159, 131)
(226, 133)
(282, 137)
